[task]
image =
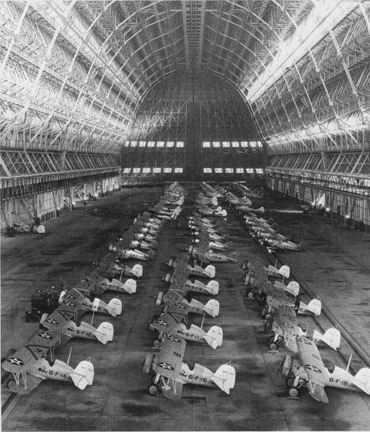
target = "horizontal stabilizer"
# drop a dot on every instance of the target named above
(331, 337)
(104, 333)
(213, 287)
(137, 270)
(362, 380)
(114, 307)
(210, 271)
(224, 378)
(130, 286)
(83, 375)
(214, 337)
(212, 308)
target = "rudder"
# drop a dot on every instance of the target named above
(83, 374)
(224, 378)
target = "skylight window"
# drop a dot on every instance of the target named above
(229, 170)
(142, 143)
(146, 170)
(160, 143)
(207, 170)
(151, 143)
(179, 170)
(180, 144)
(206, 144)
(219, 170)
(167, 170)
(136, 170)
(133, 143)
(170, 144)
(157, 170)
(235, 144)
(239, 170)
(126, 170)
(225, 144)
(216, 144)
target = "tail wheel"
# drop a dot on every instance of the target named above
(272, 339)
(153, 390)
(249, 294)
(293, 392)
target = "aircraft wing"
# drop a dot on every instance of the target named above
(68, 310)
(169, 359)
(37, 347)
(167, 321)
(286, 319)
(314, 367)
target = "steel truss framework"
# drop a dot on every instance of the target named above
(74, 75)
(193, 108)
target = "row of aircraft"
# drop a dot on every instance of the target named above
(35, 361)
(302, 365)
(173, 324)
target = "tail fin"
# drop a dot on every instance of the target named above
(293, 288)
(212, 308)
(223, 213)
(210, 270)
(284, 271)
(130, 286)
(331, 337)
(362, 380)
(224, 378)
(83, 375)
(104, 333)
(137, 270)
(214, 337)
(314, 306)
(213, 287)
(114, 307)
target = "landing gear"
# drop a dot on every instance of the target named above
(147, 363)
(273, 346)
(153, 390)
(290, 381)
(293, 392)
(11, 384)
(156, 343)
(268, 325)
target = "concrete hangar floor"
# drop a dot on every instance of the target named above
(334, 266)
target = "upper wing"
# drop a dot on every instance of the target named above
(314, 367)
(169, 359)
(167, 321)
(67, 311)
(287, 320)
(35, 348)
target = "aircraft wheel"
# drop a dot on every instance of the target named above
(147, 363)
(153, 390)
(290, 381)
(273, 346)
(268, 316)
(10, 384)
(156, 343)
(250, 294)
(271, 338)
(293, 392)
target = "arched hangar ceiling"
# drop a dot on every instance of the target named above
(74, 73)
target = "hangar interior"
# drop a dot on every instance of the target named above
(111, 107)
(96, 95)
